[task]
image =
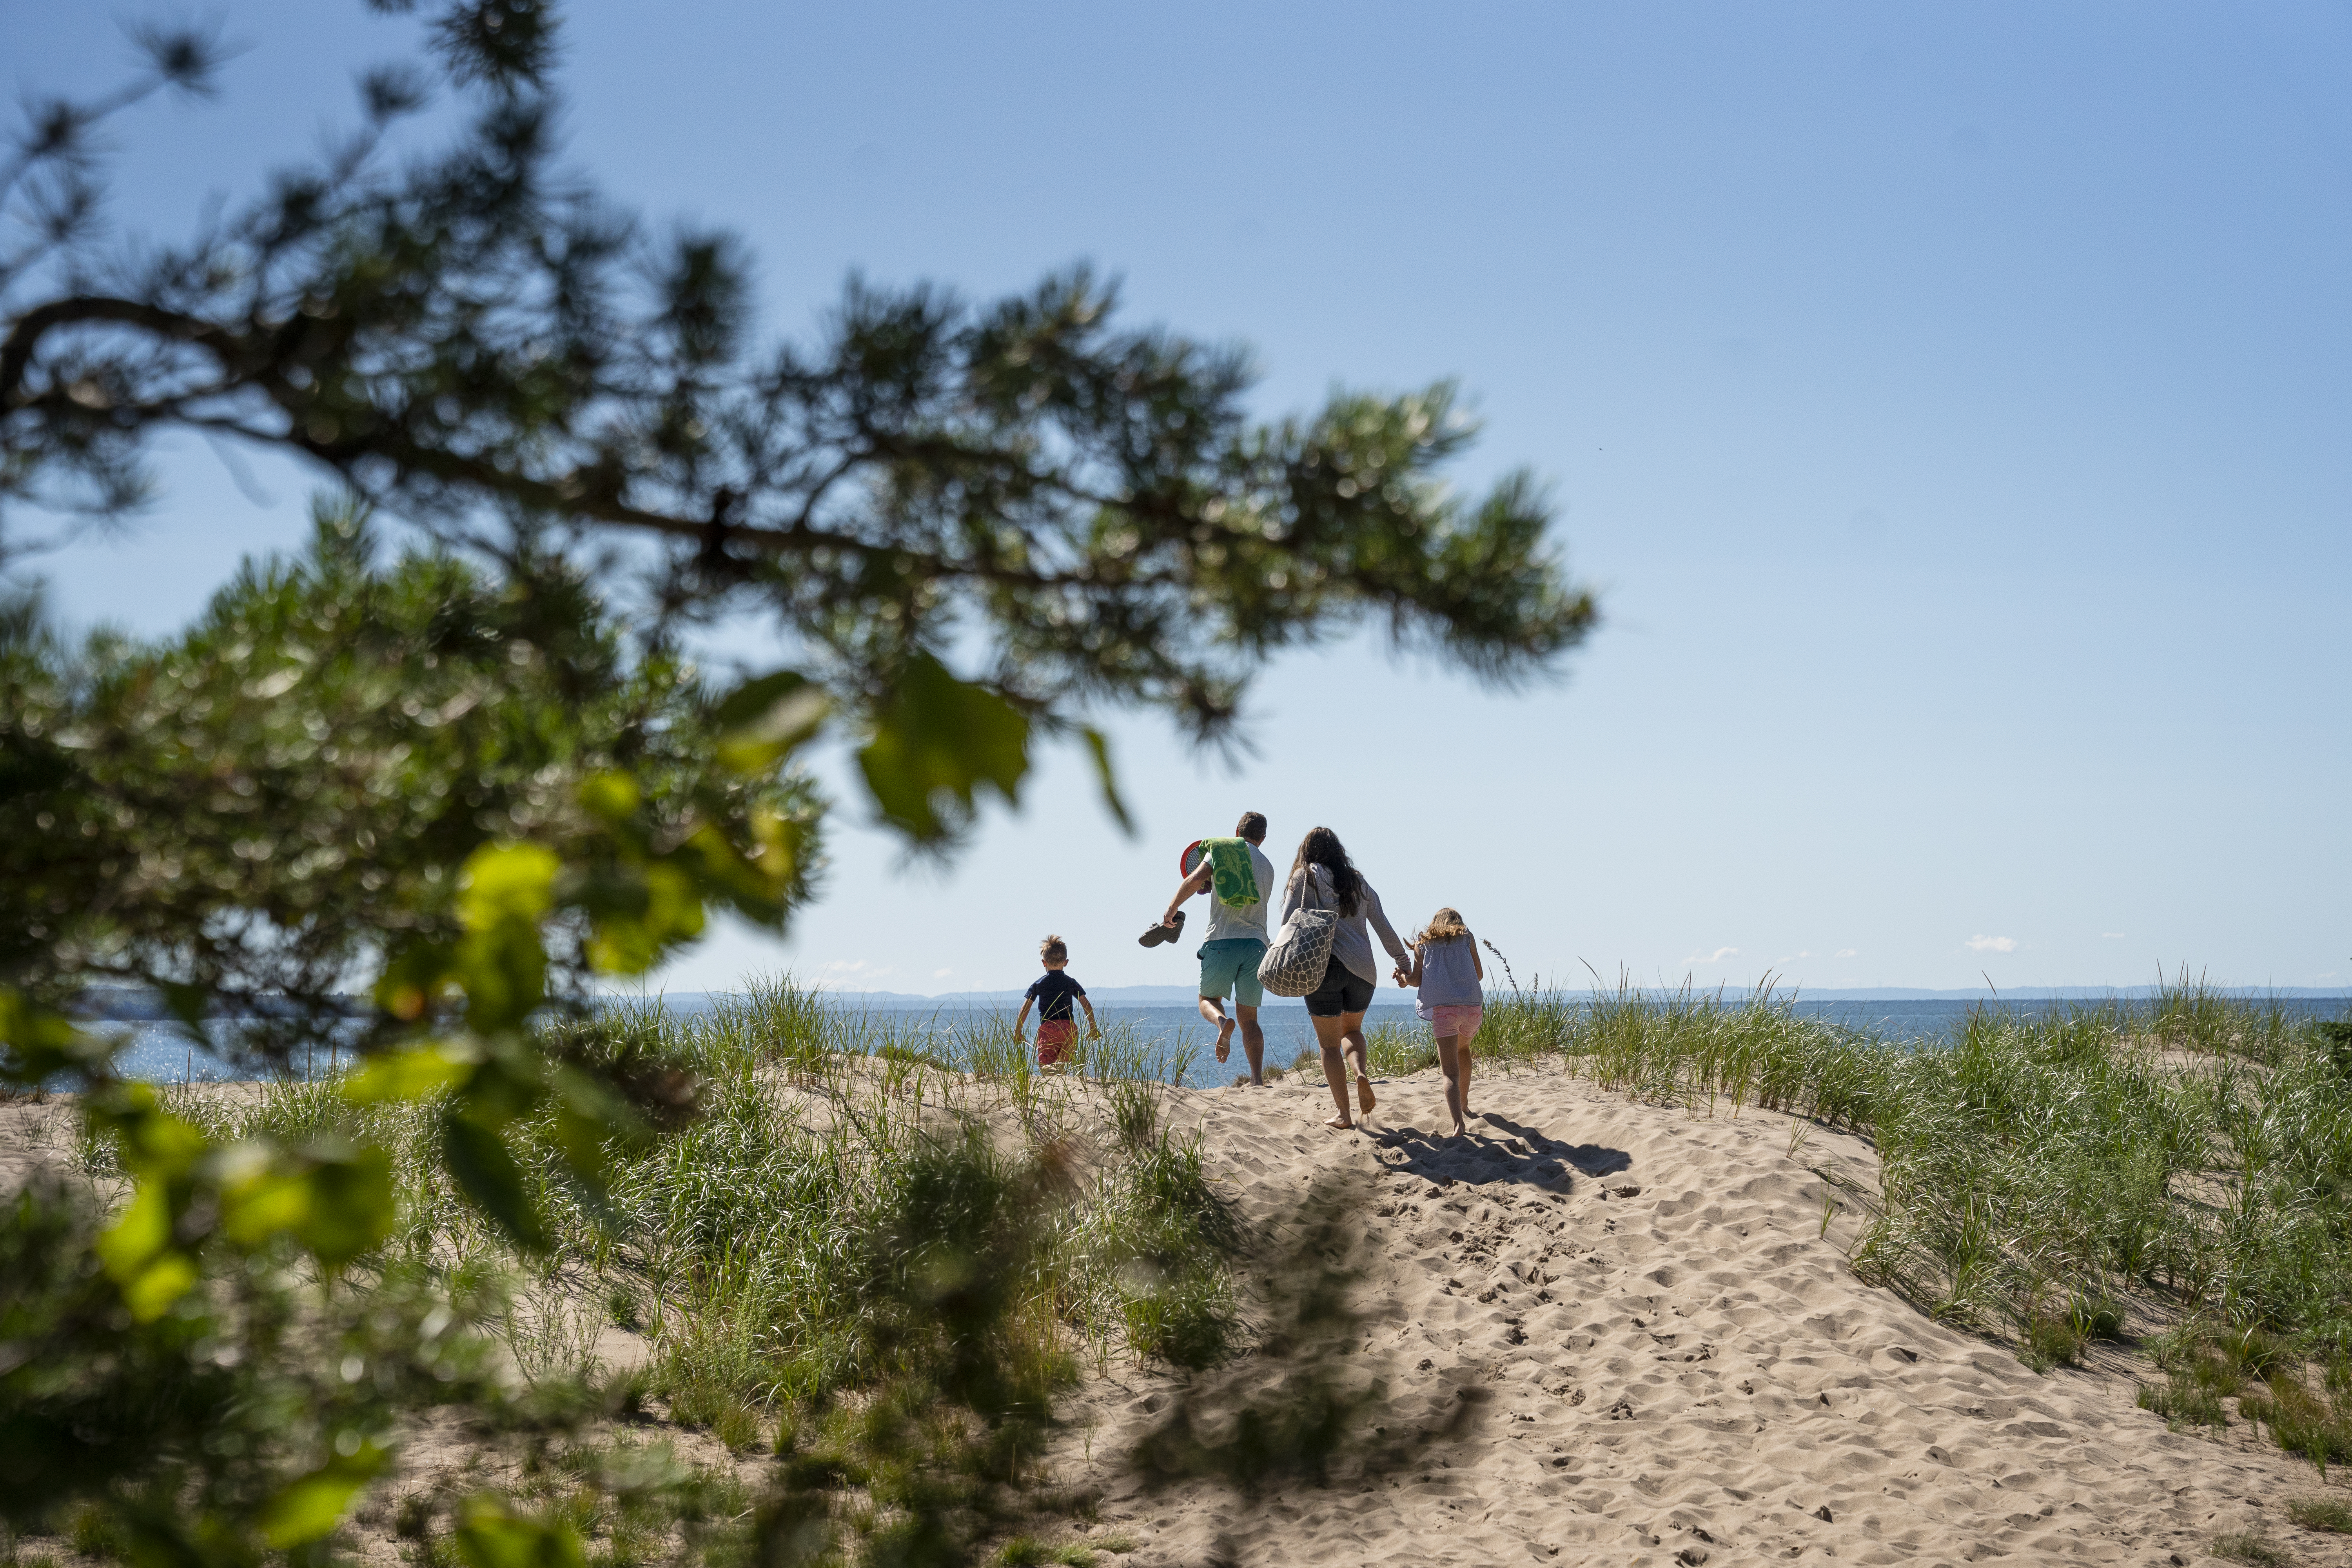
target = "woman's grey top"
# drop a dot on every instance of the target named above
(1449, 975)
(1350, 944)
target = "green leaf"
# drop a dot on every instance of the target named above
(767, 718)
(336, 1201)
(416, 976)
(611, 795)
(936, 742)
(156, 1288)
(353, 1205)
(508, 883)
(1098, 748)
(40, 1043)
(486, 1170)
(187, 1002)
(155, 1141)
(494, 1537)
(312, 1505)
(646, 916)
(410, 1075)
(589, 1118)
(504, 973)
(137, 1254)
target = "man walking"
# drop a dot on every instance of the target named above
(1239, 880)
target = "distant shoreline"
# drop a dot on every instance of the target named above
(126, 1005)
(1141, 996)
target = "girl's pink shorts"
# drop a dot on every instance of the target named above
(1444, 1022)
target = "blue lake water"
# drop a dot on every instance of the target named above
(160, 1052)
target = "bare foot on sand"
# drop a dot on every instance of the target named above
(1342, 1122)
(1224, 1039)
(1364, 1100)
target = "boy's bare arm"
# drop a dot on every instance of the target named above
(1200, 881)
(1020, 1024)
(1092, 1031)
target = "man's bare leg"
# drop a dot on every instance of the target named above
(1212, 1008)
(1253, 1045)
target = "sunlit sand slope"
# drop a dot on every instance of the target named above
(1678, 1365)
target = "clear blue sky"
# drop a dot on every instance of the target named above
(1953, 405)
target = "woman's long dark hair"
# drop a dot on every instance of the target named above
(1322, 846)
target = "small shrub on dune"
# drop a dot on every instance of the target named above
(1027, 1551)
(2182, 1403)
(2252, 1548)
(2331, 1514)
(1135, 1112)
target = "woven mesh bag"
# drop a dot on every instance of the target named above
(1301, 950)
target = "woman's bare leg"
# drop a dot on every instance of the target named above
(1351, 1032)
(1453, 1062)
(1464, 1049)
(1327, 1032)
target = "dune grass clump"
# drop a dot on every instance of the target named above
(2257, 1549)
(1028, 1551)
(1392, 1049)
(628, 1504)
(2324, 1513)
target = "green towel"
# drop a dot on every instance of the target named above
(1229, 864)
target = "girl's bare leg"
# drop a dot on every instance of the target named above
(1453, 1061)
(1351, 1032)
(1464, 1049)
(1327, 1033)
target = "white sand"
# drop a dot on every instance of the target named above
(1686, 1372)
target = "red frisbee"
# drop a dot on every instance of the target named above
(1188, 860)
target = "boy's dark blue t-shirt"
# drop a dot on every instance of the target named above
(1053, 993)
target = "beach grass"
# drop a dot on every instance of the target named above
(751, 1243)
(2171, 1173)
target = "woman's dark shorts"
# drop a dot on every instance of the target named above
(1342, 991)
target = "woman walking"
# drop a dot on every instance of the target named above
(1323, 877)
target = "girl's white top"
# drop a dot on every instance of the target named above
(1449, 975)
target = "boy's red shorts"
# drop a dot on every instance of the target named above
(1053, 1034)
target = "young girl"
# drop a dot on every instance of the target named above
(1445, 968)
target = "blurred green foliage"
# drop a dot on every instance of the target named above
(471, 784)
(458, 782)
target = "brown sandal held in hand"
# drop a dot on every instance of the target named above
(1153, 936)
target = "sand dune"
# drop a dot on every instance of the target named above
(1681, 1366)
(1674, 1361)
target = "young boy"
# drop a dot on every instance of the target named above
(1052, 994)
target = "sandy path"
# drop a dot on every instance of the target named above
(1682, 1367)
